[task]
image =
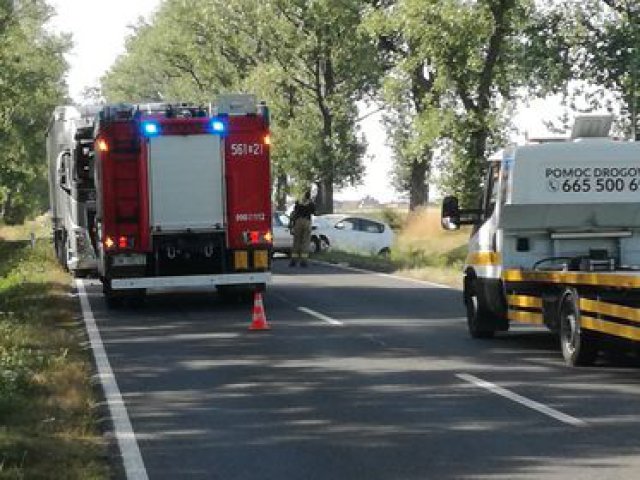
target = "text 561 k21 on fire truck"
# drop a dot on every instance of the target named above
(556, 241)
(182, 196)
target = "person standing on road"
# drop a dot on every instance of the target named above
(300, 227)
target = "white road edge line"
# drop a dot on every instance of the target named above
(320, 316)
(551, 412)
(131, 457)
(386, 275)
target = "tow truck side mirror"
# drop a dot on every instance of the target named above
(450, 218)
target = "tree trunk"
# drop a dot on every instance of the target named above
(475, 168)
(5, 208)
(281, 191)
(325, 185)
(324, 199)
(419, 184)
(325, 88)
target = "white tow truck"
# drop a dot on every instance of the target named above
(556, 241)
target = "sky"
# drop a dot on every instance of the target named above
(100, 28)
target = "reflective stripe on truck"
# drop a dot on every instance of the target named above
(524, 309)
(191, 281)
(619, 280)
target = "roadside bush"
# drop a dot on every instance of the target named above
(393, 218)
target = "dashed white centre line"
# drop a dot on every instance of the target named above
(551, 412)
(320, 316)
(131, 457)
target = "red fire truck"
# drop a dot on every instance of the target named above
(183, 197)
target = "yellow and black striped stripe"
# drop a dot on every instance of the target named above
(525, 309)
(591, 279)
(610, 318)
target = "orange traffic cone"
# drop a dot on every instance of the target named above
(259, 319)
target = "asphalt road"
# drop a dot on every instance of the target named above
(361, 377)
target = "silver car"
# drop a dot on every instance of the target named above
(282, 238)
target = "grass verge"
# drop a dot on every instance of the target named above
(47, 415)
(422, 250)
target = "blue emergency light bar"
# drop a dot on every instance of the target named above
(153, 128)
(150, 128)
(218, 126)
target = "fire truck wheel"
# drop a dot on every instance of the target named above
(578, 347)
(113, 301)
(233, 295)
(481, 323)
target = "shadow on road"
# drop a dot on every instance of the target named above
(375, 399)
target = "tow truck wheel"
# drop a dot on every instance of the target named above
(479, 321)
(578, 347)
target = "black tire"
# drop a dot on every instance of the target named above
(231, 294)
(578, 346)
(132, 298)
(324, 244)
(65, 238)
(316, 245)
(113, 301)
(384, 253)
(60, 243)
(480, 322)
(135, 298)
(57, 246)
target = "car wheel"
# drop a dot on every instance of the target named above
(316, 245)
(385, 252)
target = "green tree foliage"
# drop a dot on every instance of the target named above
(31, 85)
(604, 38)
(457, 67)
(411, 98)
(190, 50)
(473, 47)
(448, 73)
(320, 49)
(308, 59)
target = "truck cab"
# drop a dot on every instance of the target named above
(69, 142)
